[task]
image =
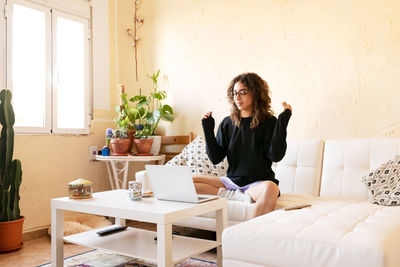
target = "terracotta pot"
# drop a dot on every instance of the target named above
(120, 147)
(131, 136)
(143, 146)
(11, 235)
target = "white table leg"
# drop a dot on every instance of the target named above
(125, 182)
(120, 221)
(222, 222)
(57, 237)
(115, 172)
(110, 175)
(164, 245)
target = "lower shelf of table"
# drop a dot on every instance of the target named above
(140, 243)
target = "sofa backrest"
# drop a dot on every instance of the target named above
(299, 171)
(346, 161)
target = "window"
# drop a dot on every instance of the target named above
(48, 68)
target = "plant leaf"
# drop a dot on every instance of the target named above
(137, 98)
(168, 117)
(167, 109)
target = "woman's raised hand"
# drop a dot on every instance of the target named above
(207, 115)
(286, 106)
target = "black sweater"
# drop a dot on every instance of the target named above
(250, 152)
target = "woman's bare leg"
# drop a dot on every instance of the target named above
(208, 185)
(265, 194)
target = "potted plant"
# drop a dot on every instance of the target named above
(11, 221)
(126, 115)
(151, 110)
(120, 142)
(142, 141)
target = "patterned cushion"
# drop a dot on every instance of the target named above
(195, 156)
(384, 183)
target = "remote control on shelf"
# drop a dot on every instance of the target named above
(111, 230)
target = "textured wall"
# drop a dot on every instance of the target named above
(336, 62)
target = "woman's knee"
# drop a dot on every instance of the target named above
(269, 188)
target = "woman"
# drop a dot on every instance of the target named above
(251, 138)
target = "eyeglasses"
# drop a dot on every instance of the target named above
(242, 92)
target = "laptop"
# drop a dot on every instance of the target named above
(174, 183)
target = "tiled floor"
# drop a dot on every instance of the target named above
(38, 251)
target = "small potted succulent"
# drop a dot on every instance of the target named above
(142, 141)
(120, 142)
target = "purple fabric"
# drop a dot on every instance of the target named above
(232, 186)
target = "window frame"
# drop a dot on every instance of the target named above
(50, 116)
(85, 22)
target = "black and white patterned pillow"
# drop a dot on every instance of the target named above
(195, 156)
(384, 183)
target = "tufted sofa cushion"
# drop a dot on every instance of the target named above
(333, 232)
(299, 171)
(346, 161)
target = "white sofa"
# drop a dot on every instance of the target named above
(340, 229)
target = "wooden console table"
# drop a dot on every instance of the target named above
(117, 167)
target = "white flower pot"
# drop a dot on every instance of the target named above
(155, 148)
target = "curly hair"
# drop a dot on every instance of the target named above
(259, 90)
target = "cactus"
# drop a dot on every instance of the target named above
(10, 170)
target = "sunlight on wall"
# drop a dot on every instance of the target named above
(336, 63)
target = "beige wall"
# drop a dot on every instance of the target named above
(336, 62)
(49, 163)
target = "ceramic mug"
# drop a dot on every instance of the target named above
(135, 190)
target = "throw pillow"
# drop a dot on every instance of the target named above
(195, 156)
(384, 183)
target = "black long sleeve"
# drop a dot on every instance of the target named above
(277, 147)
(250, 152)
(216, 150)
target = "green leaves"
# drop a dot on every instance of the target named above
(137, 98)
(154, 78)
(159, 95)
(167, 113)
(150, 109)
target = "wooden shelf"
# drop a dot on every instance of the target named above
(140, 244)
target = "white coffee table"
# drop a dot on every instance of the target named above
(134, 242)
